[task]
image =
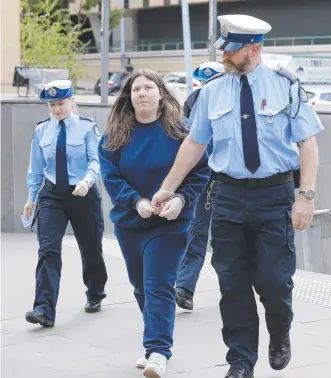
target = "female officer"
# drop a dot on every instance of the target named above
(145, 131)
(64, 153)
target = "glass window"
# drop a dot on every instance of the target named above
(116, 77)
(171, 78)
(326, 96)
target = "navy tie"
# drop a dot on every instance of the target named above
(248, 127)
(62, 179)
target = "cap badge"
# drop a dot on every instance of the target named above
(224, 31)
(208, 72)
(52, 92)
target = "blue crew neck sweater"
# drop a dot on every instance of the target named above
(138, 169)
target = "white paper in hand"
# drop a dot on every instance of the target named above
(27, 222)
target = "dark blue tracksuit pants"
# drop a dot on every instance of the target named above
(152, 258)
(192, 263)
(52, 215)
(253, 247)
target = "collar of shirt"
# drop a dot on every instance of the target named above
(253, 75)
(68, 120)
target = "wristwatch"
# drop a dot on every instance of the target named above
(89, 183)
(309, 194)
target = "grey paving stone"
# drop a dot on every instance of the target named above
(107, 344)
(305, 312)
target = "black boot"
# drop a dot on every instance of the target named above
(91, 307)
(279, 352)
(184, 298)
(37, 317)
(239, 373)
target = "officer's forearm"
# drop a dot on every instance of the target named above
(187, 158)
(308, 154)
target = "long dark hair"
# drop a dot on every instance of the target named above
(122, 115)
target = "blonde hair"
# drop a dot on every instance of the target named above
(75, 108)
(122, 115)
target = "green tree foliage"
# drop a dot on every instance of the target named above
(48, 37)
(85, 7)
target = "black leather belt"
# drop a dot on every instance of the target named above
(251, 183)
(50, 185)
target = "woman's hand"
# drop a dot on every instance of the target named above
(81, 189)
(145, 209)
(27, 211)
(172, 209)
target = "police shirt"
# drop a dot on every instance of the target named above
(280, 122)
(82, 138)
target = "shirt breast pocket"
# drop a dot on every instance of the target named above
(274, 124)
(76, 148)
(222, 125)
(46, 145)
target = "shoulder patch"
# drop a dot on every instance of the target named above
(96, 131)
(86, 118)
(303, 95)
(45, 120)
(215, 77)
(281, 71)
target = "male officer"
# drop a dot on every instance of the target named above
(253, 114)
(203, 73)
(192, 263)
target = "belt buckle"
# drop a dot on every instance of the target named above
(252, 183)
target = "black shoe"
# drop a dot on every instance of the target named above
(279, 352)
(37, 317)
(184, 298)
(239, 373)
(92, 306)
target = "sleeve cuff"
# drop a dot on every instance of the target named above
(137, 198)
(300, 138)
(199, 139)
(89, 177)
(32, 196)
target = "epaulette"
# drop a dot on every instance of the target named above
(215, 77)
(45, 120)
(86, 118)
(281, 71)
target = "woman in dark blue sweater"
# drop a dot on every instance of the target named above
(145, 131)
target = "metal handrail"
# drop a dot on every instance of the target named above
(322, 212)
(311, 40)
(178, 45)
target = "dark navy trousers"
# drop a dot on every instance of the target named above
(52, 215)
(253, 247)
(152, 259)
(192, 263)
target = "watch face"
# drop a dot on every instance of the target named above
(310, 194)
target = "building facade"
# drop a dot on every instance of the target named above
(10, 42)
(157, 24)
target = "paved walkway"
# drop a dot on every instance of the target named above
(106, 344)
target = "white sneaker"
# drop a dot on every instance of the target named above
(156, 367)
(142, 362)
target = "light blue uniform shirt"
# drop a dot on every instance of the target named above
(82, 152)
(217, 115)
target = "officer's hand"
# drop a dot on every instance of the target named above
(172, 209)
(302, 213)
(27, 211)
(159, 199)
(144, 208)
(81, 189)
